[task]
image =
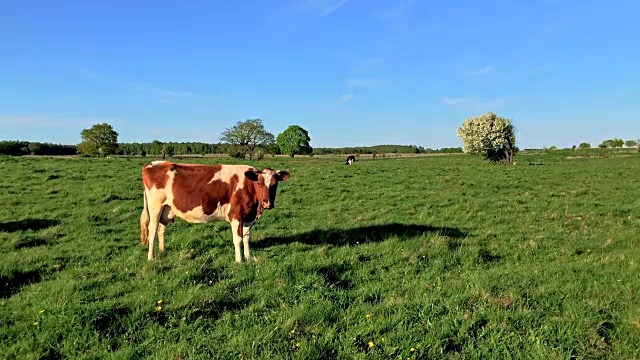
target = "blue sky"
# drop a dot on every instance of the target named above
(351, 72)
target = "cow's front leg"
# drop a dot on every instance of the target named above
(246, 238)
(236, 229)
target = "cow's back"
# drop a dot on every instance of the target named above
(195, 192)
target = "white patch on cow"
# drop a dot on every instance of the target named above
(267, 176)
(228, 171)
(197, 215)
(156, 162)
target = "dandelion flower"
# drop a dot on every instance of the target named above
(35, 323)
(41, 311)
(368, 316)
(413, 350)
(159, 301)
(158, 308)
(297, 344)
(293, 331)
(371, 344)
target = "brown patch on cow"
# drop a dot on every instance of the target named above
(244, 203)
(252, 214)
(156, 174)
(192, 187)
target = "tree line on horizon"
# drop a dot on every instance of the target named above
(154, 148)
(488, 135)
(245, 139)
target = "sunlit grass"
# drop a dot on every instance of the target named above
(431, 257)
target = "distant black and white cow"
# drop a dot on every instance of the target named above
(350, 160)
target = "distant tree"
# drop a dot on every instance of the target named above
(168, 149)
(234, 152)
(489, 135)
(156, 148)
(248, 135)
(631, 143)
(553, 147)
(294, 141)
(612, 143)
(34, 147)
(99, 140)
(584, 145)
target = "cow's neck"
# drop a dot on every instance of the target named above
(257, 201)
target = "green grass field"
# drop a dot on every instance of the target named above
(446, 255)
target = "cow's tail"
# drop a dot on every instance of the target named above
(144, 221)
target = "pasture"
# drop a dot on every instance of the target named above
(421, 258)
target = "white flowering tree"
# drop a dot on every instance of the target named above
(489, 135)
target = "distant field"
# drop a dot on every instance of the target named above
(423, 258)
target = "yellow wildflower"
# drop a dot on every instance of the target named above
(413, 350)
(293, 331)
(297, 344)
(35, 323)
(159, 301)
(158, 308)
(368, 316)
(41, 311)
(371, 344)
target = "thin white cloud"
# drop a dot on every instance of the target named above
(333, 7)
(362, 82)
(345, 97)
(371, 62)
(165, 93)
(87, 73)
(483, 71)
(471, 103)
(316, 7)
(456, 101)
(48, 121)
(398, 10)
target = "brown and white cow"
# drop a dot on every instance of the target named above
(196, 193)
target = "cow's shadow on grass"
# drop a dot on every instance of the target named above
(28, 224)
(361, 235)
(10, 285)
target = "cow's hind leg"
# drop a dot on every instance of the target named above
(154, 222)
(236, 229)
(166, 218)
(144, 222)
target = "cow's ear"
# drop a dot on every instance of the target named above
(252, 175)
(283, 175)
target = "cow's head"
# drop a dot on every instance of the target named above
(266, 184)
